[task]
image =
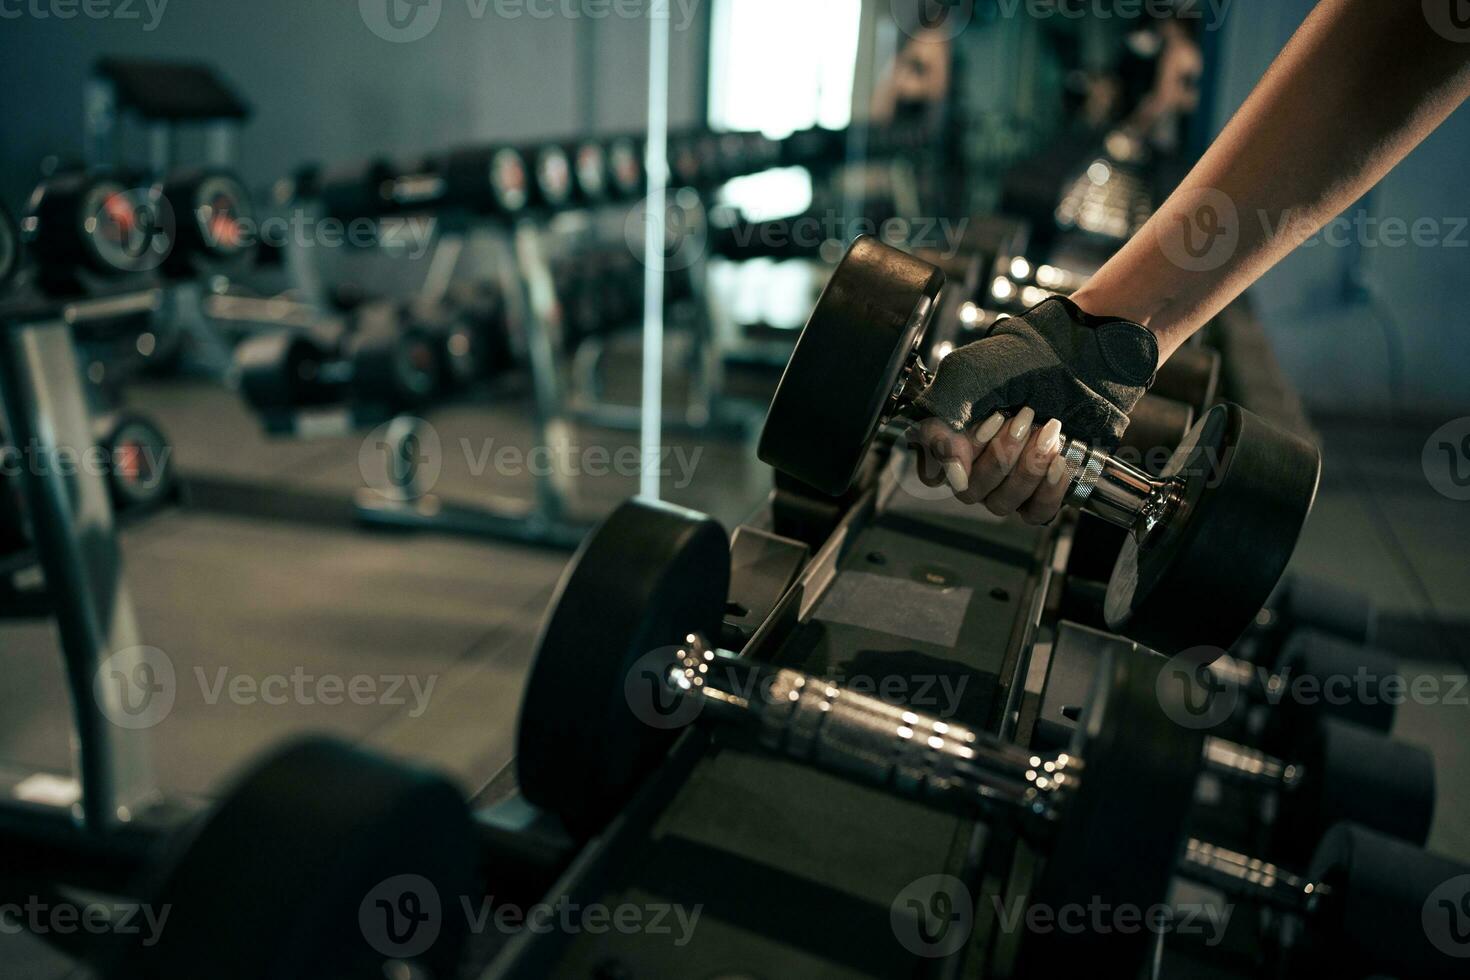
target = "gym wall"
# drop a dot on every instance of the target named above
(325, 87)
(1366, 328)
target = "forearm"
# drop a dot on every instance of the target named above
(1359, 85)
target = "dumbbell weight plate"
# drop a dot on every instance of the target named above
(1156, 427)
(847, 363)
(650, 575)
(1386, 898)
(1202, 581)
(1123, 825)
(1191, 375)
(139, 460)
(590, 166)
(1313, 658)
(625, 167)
(211, 210)
(355, 190)
(282, 878)
(393, 363)
(281, 370)
(1353, 774)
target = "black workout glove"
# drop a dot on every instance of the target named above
(1085, 370)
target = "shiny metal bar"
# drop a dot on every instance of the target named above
(946, 765)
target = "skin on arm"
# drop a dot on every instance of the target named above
(1359, 85)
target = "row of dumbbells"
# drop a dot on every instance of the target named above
(507, 180)
(383, 357)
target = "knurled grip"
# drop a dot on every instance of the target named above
(815, 721)
(1084, 467)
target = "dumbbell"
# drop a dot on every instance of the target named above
(1326, 673)
(551, 177)
(460, 351)
(350, 190)
(140, 465)
(590, 178)
(1208, 538)
(629, 625)
(1191, 375)
(815, 148)
(88, 229)
(210, 208)
(1337, 773)
(130, 447)
(625, 168)
(689, 158)
(1302, 602)
(278, 878)
(383, 365)
(488, 179)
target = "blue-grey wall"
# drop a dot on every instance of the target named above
(1347, 320)
(326, 87)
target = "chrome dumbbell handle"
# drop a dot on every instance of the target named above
(952, 767)
(1098, 482)
(862, 738)
(1242, 876)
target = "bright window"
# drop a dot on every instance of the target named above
(782, 65)
(778, 66)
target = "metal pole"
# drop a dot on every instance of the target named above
(655, 164)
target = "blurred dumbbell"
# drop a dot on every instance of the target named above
(383, 366)
(291, 874)
(1341, 772)
(1305, 602)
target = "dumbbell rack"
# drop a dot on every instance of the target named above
(524, 278)
(75, 543)
(855, 844)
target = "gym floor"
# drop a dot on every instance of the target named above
(452, 620)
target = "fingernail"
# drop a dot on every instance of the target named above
(1051, 437)
(988, 429)
(958, 476)
(1021, 428)
(1056, 471)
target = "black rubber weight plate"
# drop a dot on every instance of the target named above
(648, 576)
(846, 363)
(1394, 910)
(1249, 488)
(293, 872)
(1121, 829)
